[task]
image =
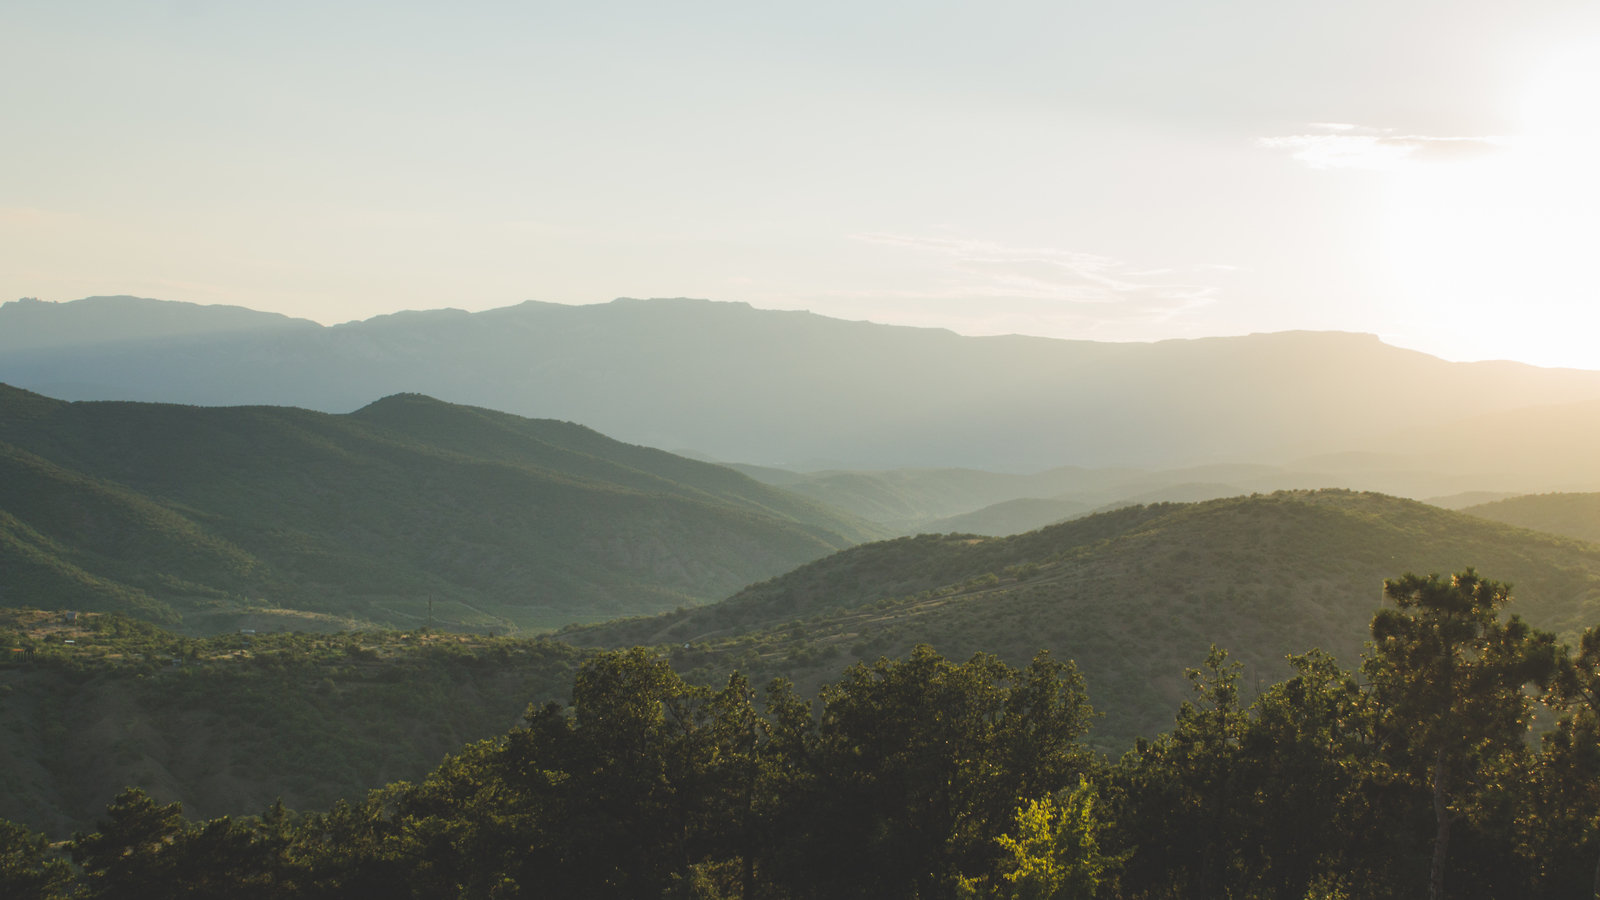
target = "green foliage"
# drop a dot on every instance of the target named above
(1450, 678)
(241, 719)
(918, 764)
(28, 870)
(1332, 786)
(130, 851)
(925, 778)
(647, 787)
(1055, 853)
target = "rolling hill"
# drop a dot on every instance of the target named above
(1574, 515)
(1133, 595)
(227, 515)
(770, 386)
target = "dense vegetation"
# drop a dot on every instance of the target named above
(218, 517)
(924, 778)
(1131, 595)
(1574, 515)
(228, 723)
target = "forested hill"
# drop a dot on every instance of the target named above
(1132, 595)
(229, 517)
(229, 723)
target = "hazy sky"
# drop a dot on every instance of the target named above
(1128, 170)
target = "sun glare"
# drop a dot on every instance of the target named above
(1496, 252)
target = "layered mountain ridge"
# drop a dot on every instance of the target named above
(753, 385)
(405, 510)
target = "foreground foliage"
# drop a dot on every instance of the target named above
(926, 778)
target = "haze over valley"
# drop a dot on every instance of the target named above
(835, 451)
(1237, 517)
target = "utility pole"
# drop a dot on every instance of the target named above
(430, 611)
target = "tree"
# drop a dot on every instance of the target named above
(130, 853)
(1181, 797)
(1448, 676)
(1308, 816)
(644, 785)
(1566, 811)
(145, 850)
(1055, 855)
(28, 871)
(917, 766)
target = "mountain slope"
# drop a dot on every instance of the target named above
(504, 522)
(1574, 515)
(1132, 595)
(764, 385)
(231, 723)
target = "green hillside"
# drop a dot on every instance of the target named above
(1133, 595)
(228, 724)
(207, 515)
(1574, 515)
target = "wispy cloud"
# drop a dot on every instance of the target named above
(1099, 286)
(1355, 147)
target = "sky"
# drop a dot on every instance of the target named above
(1138, 170)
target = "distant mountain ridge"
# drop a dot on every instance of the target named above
(94, 321)
(405, 509)
(1574, 515)
(762, 385)
(938, 501)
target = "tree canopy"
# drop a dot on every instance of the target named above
(924, 778)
